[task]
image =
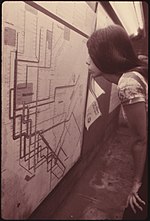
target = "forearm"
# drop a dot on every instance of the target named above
(139, 157)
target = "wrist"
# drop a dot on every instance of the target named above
(137, 181)
(136, 186)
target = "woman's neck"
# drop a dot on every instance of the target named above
(112, 78)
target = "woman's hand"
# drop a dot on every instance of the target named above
(133, 199)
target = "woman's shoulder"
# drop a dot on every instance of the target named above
(131, 79)
(132, 88)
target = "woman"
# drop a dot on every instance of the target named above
(112, 56)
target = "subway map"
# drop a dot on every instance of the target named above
(44, 95)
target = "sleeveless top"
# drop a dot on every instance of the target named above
(132, 88)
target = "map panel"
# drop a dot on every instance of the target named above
(44, 85)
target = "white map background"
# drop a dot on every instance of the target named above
(44, 85)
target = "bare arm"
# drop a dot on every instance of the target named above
(136, 115)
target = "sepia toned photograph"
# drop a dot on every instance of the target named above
(74, 93)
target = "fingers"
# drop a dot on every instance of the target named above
(132, 200)
(131, 204)
(139, 199)
(135, 202)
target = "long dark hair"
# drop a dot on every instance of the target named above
(112, 52)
